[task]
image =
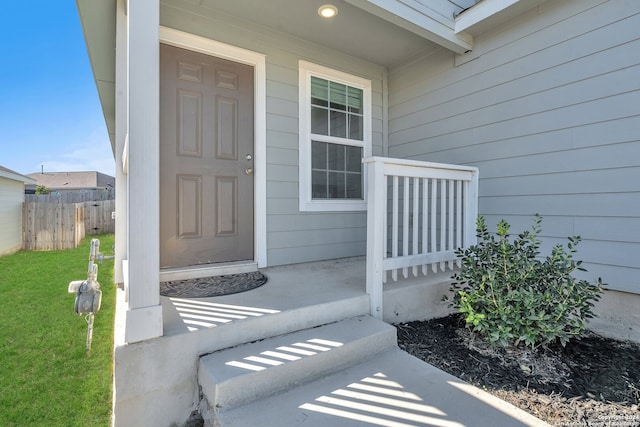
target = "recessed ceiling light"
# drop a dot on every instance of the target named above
(328, 11)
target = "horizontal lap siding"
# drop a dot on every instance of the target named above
(11, 197)
(548, 107)
(292, 236)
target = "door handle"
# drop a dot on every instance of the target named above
(248, 171)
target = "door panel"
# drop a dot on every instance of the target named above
(189, 206)
(206, 180)
(227, 119)
(189, 123)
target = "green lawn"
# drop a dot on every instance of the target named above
(46, 379)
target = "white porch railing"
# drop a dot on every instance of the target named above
(418, 214)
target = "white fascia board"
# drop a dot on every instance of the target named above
(16, 177)
(420, 20)
(491, 12)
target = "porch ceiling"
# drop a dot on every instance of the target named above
(353, 31)
(385, 32)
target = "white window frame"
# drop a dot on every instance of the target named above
(306, 71)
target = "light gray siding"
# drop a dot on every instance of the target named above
(11, 198)
(548, 107)
(292, 236)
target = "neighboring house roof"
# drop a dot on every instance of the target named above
(73, 180)
(9, 174)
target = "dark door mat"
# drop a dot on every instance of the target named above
(215, 286)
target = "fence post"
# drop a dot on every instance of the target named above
(376, 209)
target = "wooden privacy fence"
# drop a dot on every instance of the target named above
(97, 216)
(72, 196)
(54, 226)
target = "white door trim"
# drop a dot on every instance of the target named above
(258, 62)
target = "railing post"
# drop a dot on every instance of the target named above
(376, 210)
(471, 211)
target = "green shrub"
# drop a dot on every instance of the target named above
(41, 189)
(507, 294)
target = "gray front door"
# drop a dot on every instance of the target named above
(206, 159)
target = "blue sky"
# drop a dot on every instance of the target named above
(49, 109)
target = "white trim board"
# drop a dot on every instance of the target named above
(305, 71)
(258, 62)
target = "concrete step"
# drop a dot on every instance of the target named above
(390, 389)
(239, 375)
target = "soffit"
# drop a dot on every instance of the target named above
(98, 19)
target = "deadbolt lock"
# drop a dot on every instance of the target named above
(249, 156)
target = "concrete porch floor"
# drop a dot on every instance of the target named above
(296, 286)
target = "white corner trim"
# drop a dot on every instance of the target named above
(305, 71)
(258, 62)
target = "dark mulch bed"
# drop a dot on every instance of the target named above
(591, 382)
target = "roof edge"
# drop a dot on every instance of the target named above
(15, 176)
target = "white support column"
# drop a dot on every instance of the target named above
(376, 210)
(122, 113)
(144, 314)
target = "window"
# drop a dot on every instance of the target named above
(335, 134)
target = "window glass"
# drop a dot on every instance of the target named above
(319, 121)
(338, 122)
(353, 159)
(354, 186)
(319, 92)
(336, 171)
(336, 109)
(355, 127)
(319, 184)
(355, 100)
(338, 96)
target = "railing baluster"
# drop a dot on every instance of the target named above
(443, 220)
(405, 224)
(394, 226)
(385, 224)
(425, 221)
(434, 227)
(458, 218)
(414, 227)
(450, 244)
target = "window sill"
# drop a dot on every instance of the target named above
(333, 205)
